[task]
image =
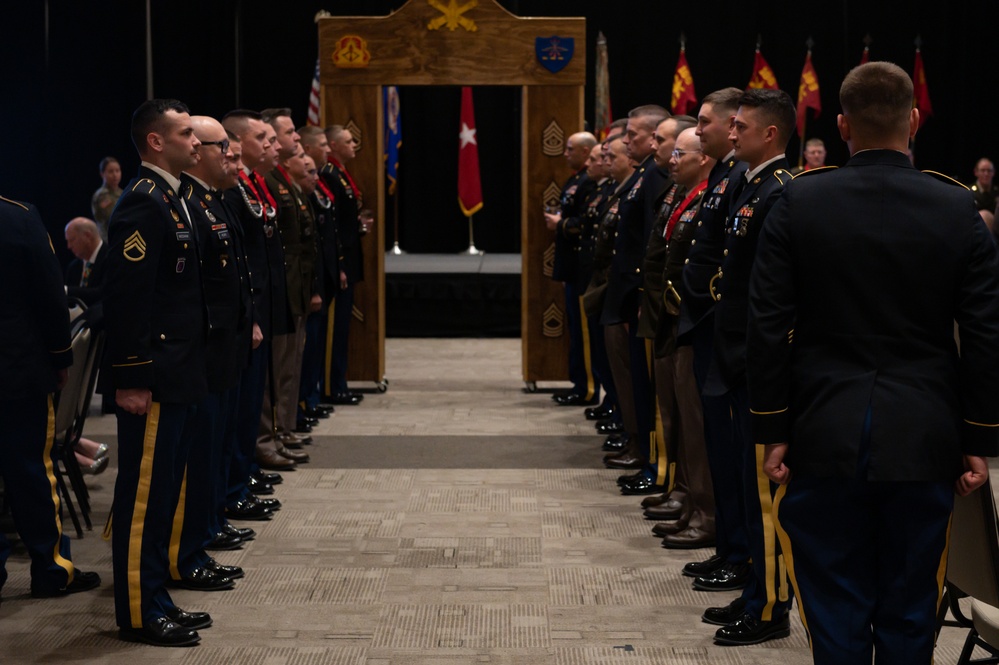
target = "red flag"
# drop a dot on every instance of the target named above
(314, 94)
(808, 94)
(601, 103)
(683, 97)
(763, 76)
(469, 185)
(921, 91)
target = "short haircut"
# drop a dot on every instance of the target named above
(617, 127)
(107, 160)
(271, 115)
(233, 137)
(814, 143)
(683, 122)
(724, 101)
(332, 131)
(651, 114)
(310, 134)
(236, 121)
(877, 99)
(148, 118)
(775, 106)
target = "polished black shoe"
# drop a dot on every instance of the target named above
(316, 414)
(561, 394)
(270, 504)
(190, 620)
(615, 443)
(747, 629)
(640, 486)
(161, 633)
(729, 577)
(703, 568)
(243, 534)
(224, 541)
(266, 477)
(82, 581)
(302, 427)
(204, 579)
(624, 461)
(723, 616)
(248, 510)
(347, 399)
(610, 428)
(232, 572)
(575, 399)
(598, 413)
(629, 478)
(258, 487)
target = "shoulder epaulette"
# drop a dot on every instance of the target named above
(20, 205)
(190, 191)
(821, 169)
(144, 186)
(945, 178)
(782, 176)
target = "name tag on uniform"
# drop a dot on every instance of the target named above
(183, 236)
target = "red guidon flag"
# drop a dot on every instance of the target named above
(763, 76)
(808, 94)
(683, 97)
(469, 184)
(920, 91)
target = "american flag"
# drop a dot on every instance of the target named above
(314, 98)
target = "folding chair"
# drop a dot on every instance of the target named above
(973, 570)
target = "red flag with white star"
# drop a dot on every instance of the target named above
(469, 184)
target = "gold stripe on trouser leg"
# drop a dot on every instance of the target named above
(53, 490)
(587, 362)
(328, 356)
(788, 557)
(657, 438)
(178, 529)
(139, 516)
(663, 471)
(942, 568)
(769, 537)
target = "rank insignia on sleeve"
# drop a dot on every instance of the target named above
(135, 247)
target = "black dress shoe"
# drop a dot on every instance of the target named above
(266, 477)
(575, 399)
(248, 510)
(598, 413)
(82, 581)
(190, 620)
(664, 529)
(270, 504)
(640, 486)
(316, 413)
(610, 428)
(161, 633)
(556, 396)
(629, 478)
(723, 616)
(224, 541)
(232, 572)
(258, 487)
(302, 427)
(689, 539)
(623, 461)
(347, 399)
(747, 629)
(615, 443)
(243, 534)
(703, 568)
(729, 577)
(204, 579)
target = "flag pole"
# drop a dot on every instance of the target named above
(804, 131)
(395, 224)
(472, 249)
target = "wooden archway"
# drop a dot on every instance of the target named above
(460, 42)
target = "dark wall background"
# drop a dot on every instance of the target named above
(72, 73)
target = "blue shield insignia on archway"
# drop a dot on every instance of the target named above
(554, 53)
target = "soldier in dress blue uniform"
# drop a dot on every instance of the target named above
(863, 407)
(626, 351)
(156, 331)
(567, 223)
(763, 124)
(34, 356)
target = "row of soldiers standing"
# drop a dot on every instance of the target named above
(655, 241)
(232, 254)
